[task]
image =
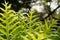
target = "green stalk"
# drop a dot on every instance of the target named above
(30, 24)
(7, 29)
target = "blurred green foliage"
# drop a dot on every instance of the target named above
(14, 26)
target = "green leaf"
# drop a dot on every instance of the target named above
(2, 9)
(24, 37)
(1, 38)
(3, 15)
(2, 26)
(2, 31)
(30, 34)
(15, 18)
(15, 29)
(2, 20)
(14, 25)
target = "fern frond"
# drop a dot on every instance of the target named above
(9, 18)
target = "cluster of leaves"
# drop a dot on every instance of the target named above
(24, 27)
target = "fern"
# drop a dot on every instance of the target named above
(16, 26)
(32, 20)
(34, 36)
(8, 22)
